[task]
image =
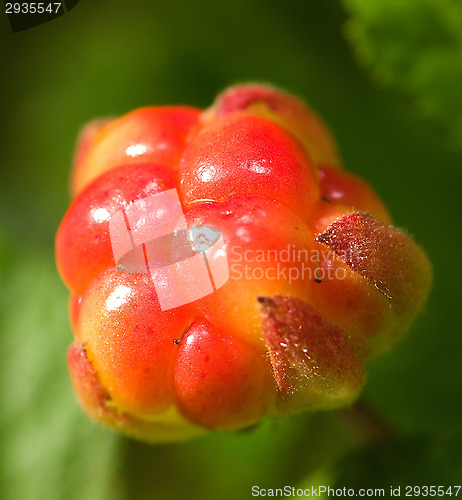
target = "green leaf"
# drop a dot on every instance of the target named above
(415, 47)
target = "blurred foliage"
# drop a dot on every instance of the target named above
(415, 47)
(408, 461)
(104, 59)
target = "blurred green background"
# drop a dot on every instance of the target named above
(387, 79)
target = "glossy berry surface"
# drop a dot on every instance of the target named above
(318, 281)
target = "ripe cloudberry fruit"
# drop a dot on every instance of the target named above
(317, 280)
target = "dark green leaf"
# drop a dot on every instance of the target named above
(415, 46)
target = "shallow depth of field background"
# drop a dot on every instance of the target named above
(397, 129)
